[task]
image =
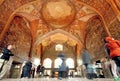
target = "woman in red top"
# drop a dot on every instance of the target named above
(114, 47)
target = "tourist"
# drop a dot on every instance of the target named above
(113, 49)
(7, 53)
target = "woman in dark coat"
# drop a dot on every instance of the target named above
(26, 69)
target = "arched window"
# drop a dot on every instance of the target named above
(59, 47)
(36, 61)
(58, 62)
(70, 62)
(47, 63)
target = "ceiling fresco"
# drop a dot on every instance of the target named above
(42, 23)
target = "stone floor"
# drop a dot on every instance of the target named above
(56, 79)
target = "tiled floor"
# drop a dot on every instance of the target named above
(55, 79)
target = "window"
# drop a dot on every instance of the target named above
(59, 47)
(36, 61)
(70, 63)
(58, 62)
(47, 63)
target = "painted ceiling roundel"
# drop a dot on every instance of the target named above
(58, 13)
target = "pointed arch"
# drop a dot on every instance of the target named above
(89, 4)
(41, 38)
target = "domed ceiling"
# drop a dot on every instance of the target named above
(58, 13)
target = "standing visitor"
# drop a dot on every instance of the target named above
(26, 71)
(89, 71)
(38, 70)
(87, 62)
(6, 60)
(94, 67)
(42, 69)
(6, 53)
(33, 72)
(113, 50)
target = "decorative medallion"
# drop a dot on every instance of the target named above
(58, 13)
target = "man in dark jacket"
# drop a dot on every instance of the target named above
(7, 53)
